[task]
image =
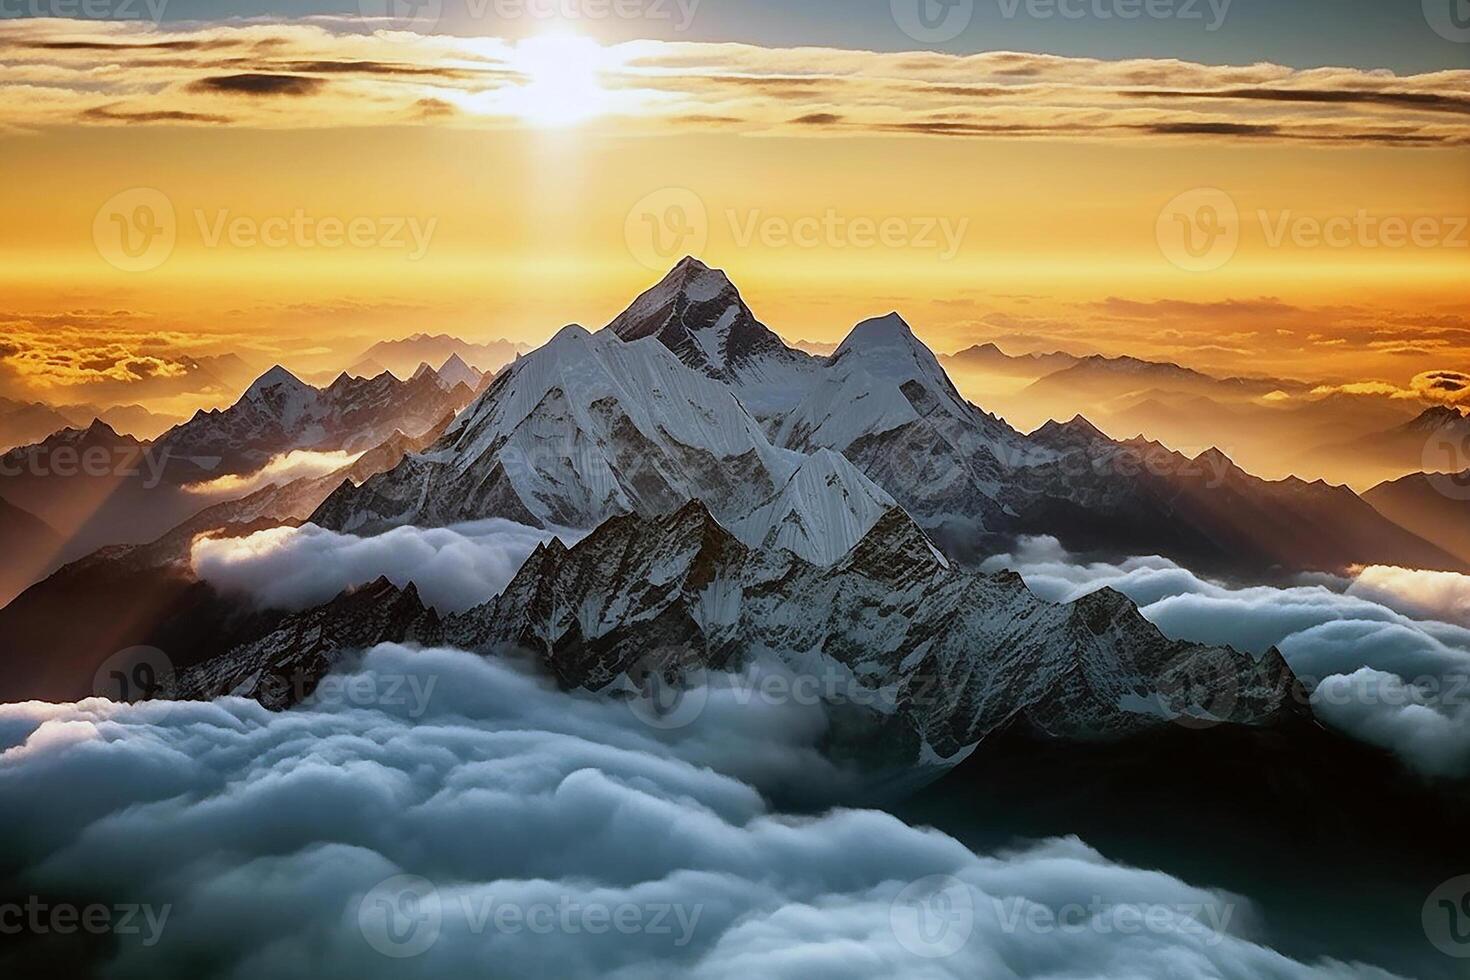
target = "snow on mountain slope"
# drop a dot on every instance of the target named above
(697, 313)
(956, 653)
(884, 402)
(280, 413)
(825, 504)
(456, 372)
(934, 656)
(591, 426)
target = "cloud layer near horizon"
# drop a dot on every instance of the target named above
(1386, 654)
(332, 72)
(454, 568)
(279, 841)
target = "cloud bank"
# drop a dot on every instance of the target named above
(516, 829)
(282, 469)
(454, 568)
(331, 72)
(1386, 654)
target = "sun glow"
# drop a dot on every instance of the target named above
(562, 84)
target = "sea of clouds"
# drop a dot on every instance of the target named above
(505, 828)
(1385, 653)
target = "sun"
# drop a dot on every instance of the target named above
(562, 80)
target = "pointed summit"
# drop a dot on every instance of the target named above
(691, 299)
(456, 372)
(696, 312)
(276, 377)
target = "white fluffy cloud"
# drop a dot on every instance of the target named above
(1379, 673)
(455, 568)
(1429, 595)
(280, 470)
(506, 827)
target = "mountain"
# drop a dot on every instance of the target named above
(280, 413)
(1435, 506)
(697, 313)
(56, 633)
(303, 647)
(654, 411)
(29, 545)
(591, 426)
(455, 372)
(1139, 497)
(1098, 377)
(402, 357)
(1432, 441)
(98, 488)
(24, 423)
(990, 359)
(884, 402)
(935, 657)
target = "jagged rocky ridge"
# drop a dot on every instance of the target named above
(946, 654)
(280, 413)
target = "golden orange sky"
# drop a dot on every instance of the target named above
(489, 213)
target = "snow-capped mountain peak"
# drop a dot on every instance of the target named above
(825, 506)
(591, 426)
(696, 312)
(277, 377)
(888, 351)
(456, 372)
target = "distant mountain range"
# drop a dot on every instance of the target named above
(403, 357)
(1273, 426)
(1435, 440)
(132, 594)
(23, 423)
(97, 487)
(1435, 506)
(991, 359)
